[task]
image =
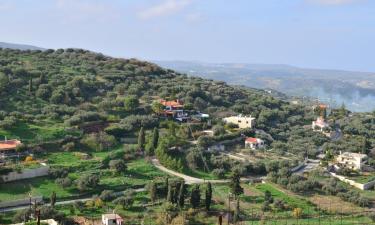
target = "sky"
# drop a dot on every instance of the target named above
(327, 34)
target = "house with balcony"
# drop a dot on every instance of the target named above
(174, 109)
(351, 160)
(241, 121)
(8, 147)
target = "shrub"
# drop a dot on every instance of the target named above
(297, 212)
(68, 146)
(107, 195)
(118, 165)
(99, 141)
(87, 182)
(58, 172)
(64, 182)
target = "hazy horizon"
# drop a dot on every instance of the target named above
(321, 34)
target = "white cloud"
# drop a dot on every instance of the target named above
(333, 2)
(166, 7)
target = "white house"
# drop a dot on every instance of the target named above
(112, 219)
(254, 143)
(319, 124)
(241, 120)
(351, 160)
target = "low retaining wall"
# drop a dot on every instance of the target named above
(49, 222)
(364, 186)
(20, 202)
(25, 174)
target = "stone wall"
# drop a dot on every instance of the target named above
(25, 174)
(364, 186)
(20, 202)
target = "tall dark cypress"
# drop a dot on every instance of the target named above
(31, 84)
(181, 194)
(155, 137)
(169, 193)
(208, 196)
(195, 198)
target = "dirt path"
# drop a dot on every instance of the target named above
(189, 179)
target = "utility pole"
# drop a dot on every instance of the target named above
(229, 209)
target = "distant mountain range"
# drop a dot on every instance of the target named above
(355, 89)
(19, 46)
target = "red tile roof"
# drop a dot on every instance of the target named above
(9, 144)
(176, 103)
(251, 140)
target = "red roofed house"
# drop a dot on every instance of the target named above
(254, 143)
(8, 146)
(174, 109)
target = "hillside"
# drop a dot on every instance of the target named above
(100, 126)
(75, 86)
(355, 89)
(19, 46)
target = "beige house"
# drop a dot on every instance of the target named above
(353, 161)
(112, 219)
(319, 124)
(241, 120)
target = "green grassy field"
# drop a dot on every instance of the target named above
(139, 173)
(33, 133)
(41, 186)
(291, 200)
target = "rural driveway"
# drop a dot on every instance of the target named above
(189, 179)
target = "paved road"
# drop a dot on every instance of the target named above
(337, 135)
(66, 202)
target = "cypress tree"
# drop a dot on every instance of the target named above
(141, 139)
(208, 196)
(235, 186)
(152, 191)
(53, 199)
(195, 198)
(170, 193)
(181, 194)
(31, 84)
(236, 215)
(155, 137)
(166, 184)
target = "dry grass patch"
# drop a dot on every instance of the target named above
(334, 204)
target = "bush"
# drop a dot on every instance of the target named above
(68, 147)
(220, 173)
(107, 195)
(118, 165)
(64, 182)
(99, 141)
(87, 182)
(58, 172)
